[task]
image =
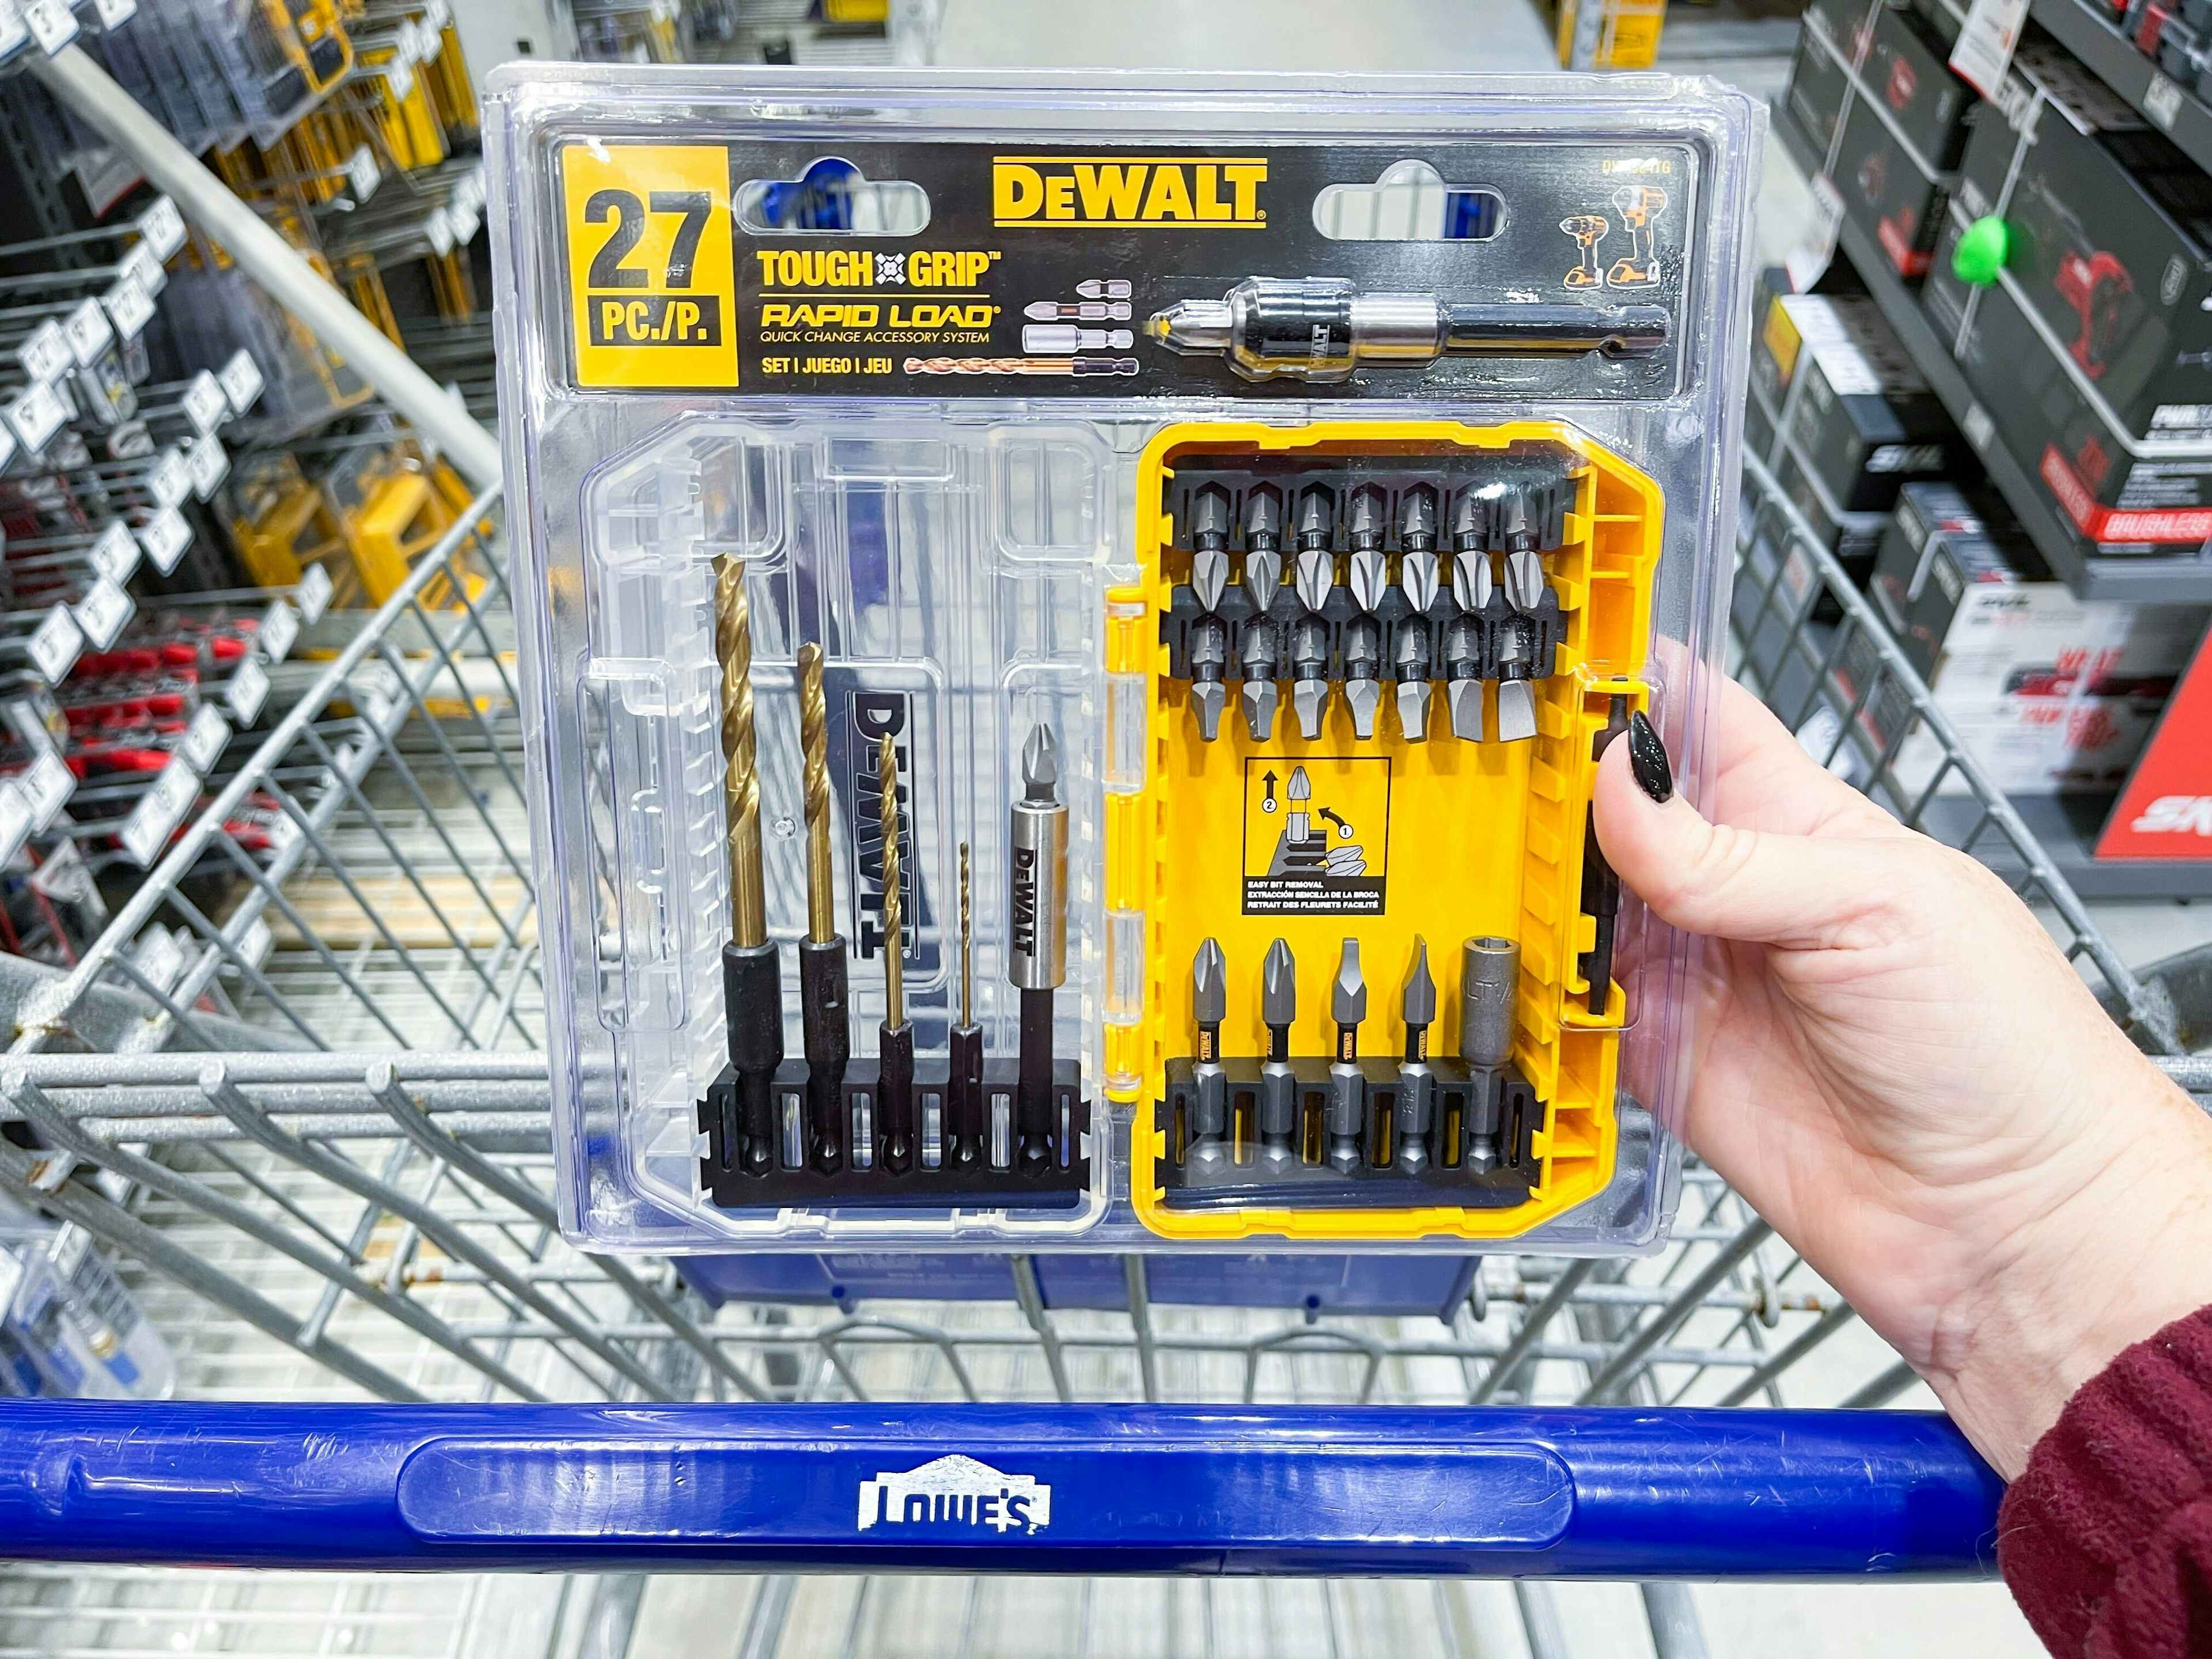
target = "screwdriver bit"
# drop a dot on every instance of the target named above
(1209, 662)
(1209, 1006)
(1522, 657)
(1417, 579)
(1472, 591)
(894, 1038)
(1315, 574)
(1309, 674)
(1263, 635)
(1209, 543)
(1347, 1088)
(1363, 532)
(1316, 571)
(1489, 979)
(1037, 953)
(1366, 568)
(1263, 545)
(1260, 662)
(752, 974)
(824, 992)
(1279, 1085)
(1110, 288)
(1417, 1083)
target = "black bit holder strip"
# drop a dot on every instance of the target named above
(1060, 1183)
(1545, 473)
(1499, 1104)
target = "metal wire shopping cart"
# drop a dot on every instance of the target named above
(319, 1135)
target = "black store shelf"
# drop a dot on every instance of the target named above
(2113, 59)
(2153, 580)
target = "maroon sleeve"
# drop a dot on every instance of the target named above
(2105, 1539)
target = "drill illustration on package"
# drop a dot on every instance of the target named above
(935, 852)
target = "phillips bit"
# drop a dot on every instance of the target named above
(1037, 953)
(1417, 578)
(1209, 542)
(1209, 1006)
(1417, 1083)
(1315, 564)
(1367, 569)
(1263, 545)
(753, 974)
(1262, 640)
(964, 1129)
(1489, 979)
(1315, 574)
(1346, 1123)
(1110, 288)
(1279, 1085)
(824, 992)
(1209, 662)
(894, 1038)
(1364, 532)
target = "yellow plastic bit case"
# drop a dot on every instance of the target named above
(1475, 838)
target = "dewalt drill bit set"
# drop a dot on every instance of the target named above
(1069, 632)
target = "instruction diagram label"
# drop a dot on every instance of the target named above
(1316, 836)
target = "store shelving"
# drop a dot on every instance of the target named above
(2174, 109)
(2152, 580)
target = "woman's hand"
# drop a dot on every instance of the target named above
(1897, 1067)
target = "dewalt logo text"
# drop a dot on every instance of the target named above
(1220, 192)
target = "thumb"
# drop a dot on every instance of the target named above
(1730, 882)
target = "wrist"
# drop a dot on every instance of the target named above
(2107, 1253)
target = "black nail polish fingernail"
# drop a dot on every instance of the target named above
(1647, 759)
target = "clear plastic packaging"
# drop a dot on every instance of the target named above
(962, 399)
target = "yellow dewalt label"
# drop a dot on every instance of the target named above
(1216, 192)
(653, 297)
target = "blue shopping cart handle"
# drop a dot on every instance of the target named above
(1610, 1493)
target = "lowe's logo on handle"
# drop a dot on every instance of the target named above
(954, 1491)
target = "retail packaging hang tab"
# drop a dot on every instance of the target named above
(941, 856)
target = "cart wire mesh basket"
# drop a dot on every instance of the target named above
(312, 1139)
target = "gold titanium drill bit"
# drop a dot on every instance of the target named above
(824, 991)
(894, 1067)
(752, 980)
(965, 1097)
(733, 643)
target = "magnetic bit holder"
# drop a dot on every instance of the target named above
(956, 1163)
(1493, 1110)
